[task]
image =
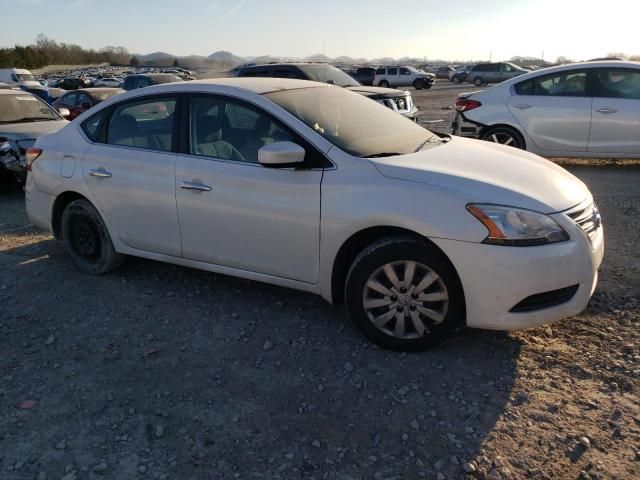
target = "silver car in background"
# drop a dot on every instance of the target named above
(589, 109)
(484, 73)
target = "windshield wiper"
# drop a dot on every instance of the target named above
(383, 154)
(30, 119)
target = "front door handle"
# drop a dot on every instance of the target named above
(606, 110)
(523, 106)
(100, 173)
(200, 187)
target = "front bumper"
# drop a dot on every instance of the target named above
(496, 278)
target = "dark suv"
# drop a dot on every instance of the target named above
(147, 79)
(397, 100)
(73, 83)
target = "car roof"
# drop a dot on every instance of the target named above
(284, 64)
(578, 66)
(259, 85)
(97, 90)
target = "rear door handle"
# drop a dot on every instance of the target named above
(100, 173)
(606, 110)
(523, 106)
(200, 187)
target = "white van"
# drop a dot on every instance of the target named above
(17, 76)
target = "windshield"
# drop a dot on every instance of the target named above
(329, 74)
(354, 123)
(24, 108)
(23, 77)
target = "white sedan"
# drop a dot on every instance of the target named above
(310, 186)
(589, 109)
(112, 82)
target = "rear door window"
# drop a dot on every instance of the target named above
(380, 71)
(144, 124)
(564, 84)
(255, 72)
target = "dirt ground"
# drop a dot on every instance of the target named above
(163, 372)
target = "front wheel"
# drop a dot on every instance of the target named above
(87, 240)
(455, 79)
(478, 81)
(504, 136)
(403, 294)
(418, 84)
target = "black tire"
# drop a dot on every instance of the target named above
(87, 240)
(383, 84)
(478, 81)
(399, 249)
(505, 136)
(455, 79)
(418, 84)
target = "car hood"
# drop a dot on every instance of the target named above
(30, 130)
(489, 173)
(379, 92)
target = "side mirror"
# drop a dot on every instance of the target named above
(64, 112)
(281, 154)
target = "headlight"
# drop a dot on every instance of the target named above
(516, 226)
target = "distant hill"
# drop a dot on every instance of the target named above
(223, 59)
(226, 57)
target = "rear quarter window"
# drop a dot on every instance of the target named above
(524, 88)
(91, 126)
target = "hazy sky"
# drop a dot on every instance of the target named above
(462, 29)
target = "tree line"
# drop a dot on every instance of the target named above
(45, 51)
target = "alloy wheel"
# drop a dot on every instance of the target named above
(503, 138)
(403, 299)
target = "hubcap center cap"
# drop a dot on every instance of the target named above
(404, 300)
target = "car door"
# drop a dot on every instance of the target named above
(130, 173)
(554, 110)
(404, 77)
(615, 127)
(69, 101)
(392, 76)
(233, 211)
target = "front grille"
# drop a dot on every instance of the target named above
(588, 219)
(402, 103)
(548, 299)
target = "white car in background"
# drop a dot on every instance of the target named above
(311, 186)
(589, 109)
(398, 76)
(108, 82)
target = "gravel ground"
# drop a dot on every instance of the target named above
(165, 372)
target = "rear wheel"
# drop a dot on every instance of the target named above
(383, 84)
(87, 240)
(478, 81)
(404, 295)
(504, 136)
(418, 84)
